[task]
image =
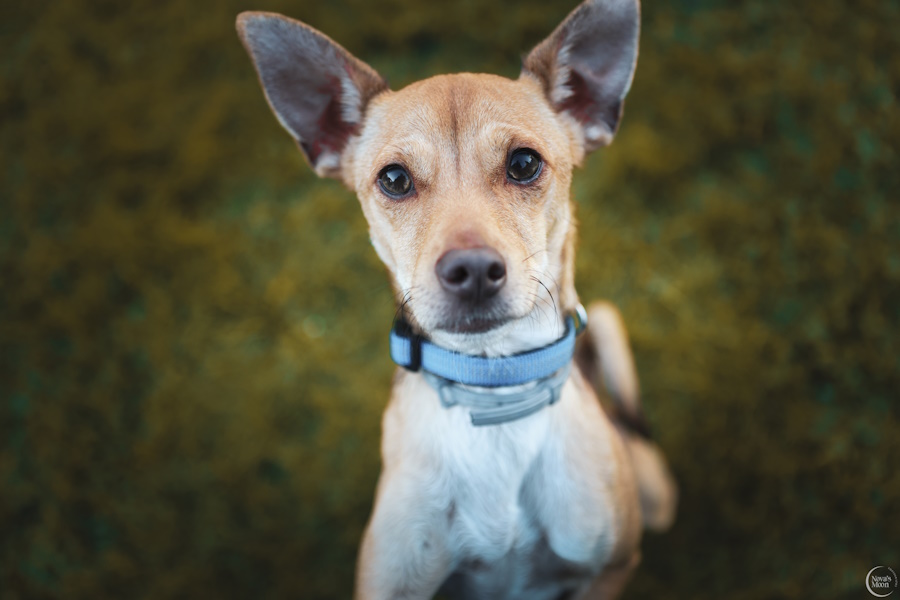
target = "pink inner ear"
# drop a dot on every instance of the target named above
(332, 131)
(587, 107)
(579, 102)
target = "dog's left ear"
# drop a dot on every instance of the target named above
(587, 64)
(317, 89)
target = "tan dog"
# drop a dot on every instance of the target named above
(465, 183)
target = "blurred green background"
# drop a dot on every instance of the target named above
(193, 327)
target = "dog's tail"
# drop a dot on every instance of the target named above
(604, 357)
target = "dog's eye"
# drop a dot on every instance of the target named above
(524, 166)
(395, 181)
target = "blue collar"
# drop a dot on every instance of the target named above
(414, 352)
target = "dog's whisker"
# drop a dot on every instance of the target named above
(405, 297)
(555, 308)
(533, 254)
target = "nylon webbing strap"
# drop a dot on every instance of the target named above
(414, 353)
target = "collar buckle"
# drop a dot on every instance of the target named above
(488, 406)
(406, 346)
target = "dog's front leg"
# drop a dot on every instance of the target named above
(405, 551)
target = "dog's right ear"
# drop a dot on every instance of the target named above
(318, 90)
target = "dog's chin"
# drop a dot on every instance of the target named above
(473, 326)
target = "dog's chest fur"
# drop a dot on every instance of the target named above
(519, 514)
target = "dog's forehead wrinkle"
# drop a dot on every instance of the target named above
(477, 99)
(454, 127)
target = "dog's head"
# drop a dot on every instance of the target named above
(464, 179)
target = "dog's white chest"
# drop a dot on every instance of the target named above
(522, 523)
(486, 469)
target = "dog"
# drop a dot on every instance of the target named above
(504, 476)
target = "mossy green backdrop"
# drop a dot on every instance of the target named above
(193, 327)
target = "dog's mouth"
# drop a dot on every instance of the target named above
(465, 319)
(470, 320)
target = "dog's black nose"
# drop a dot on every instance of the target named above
(473, 274)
